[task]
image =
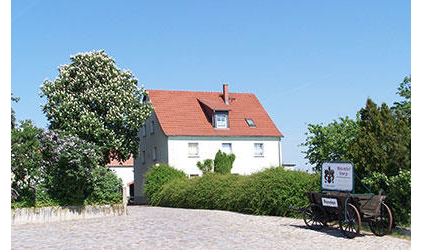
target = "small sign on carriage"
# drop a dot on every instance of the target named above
(337, 176)
(329, 202)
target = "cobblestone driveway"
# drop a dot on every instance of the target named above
(171, 228)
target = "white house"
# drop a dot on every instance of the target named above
(124, 170)
(190, 126)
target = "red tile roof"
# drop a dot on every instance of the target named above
(115, 163)
(180, 113)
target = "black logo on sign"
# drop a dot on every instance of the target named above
(329, 175)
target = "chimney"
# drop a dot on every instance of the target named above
(226, 93)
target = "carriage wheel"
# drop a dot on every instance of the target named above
(314, 217)
(350, 227)
(381, 225)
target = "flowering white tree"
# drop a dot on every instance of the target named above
(98, 102)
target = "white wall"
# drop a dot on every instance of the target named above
(242, 148)
(123, 172)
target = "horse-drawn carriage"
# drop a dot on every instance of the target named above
(337, 202)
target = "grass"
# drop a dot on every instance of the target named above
(394, 232)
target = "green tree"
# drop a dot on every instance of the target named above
(328, 143)
(382, 143)
(13, 113)
(404, 90)
(26, 160)
(379, 145)
(98, 102)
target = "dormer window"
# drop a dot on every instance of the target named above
(221, 119)
(250, 123)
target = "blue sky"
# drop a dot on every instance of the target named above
(307, 61)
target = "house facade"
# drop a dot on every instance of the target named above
(191, 126)
(125, 171)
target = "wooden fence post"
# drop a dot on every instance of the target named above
(124, 200)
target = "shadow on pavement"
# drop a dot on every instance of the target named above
(330, 230)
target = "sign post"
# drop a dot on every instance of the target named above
(337, 176)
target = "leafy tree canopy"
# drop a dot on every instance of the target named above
(13, 117)
(382, 143)
(404, 90)
(98, 102)
(378, 130)
(328, 143)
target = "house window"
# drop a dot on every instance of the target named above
(193, 149)
(258, 149)
(152, 127)
(226, 148)
(144, 130)
(221, 120)
(154, 153)
(193, 175)
(143, 156)
(250, 123)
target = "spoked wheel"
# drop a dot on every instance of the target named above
(381, 225)
(314, 217)
(351, 223)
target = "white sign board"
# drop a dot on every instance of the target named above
(329, 202)
(337, 176)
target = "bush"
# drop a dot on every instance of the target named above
(398, 191)
(68, 168)
(106, 188)
(273, 191)
(223, 163)
(157, 177)
(206, 167)
(269, 192)
(53, 168)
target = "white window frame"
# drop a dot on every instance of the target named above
(230, 146)
(256, 153)
(197, 149)
(221, 124)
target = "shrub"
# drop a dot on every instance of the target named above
(157, 177)
(272, 191)
(399, 197)
(398, 191)
(223, 163)
(106, 188)
(269, 192)
(206, 167)
(68, 166)
(54, 168)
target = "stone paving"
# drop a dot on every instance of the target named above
(171, 228)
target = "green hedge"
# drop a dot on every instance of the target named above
(157, 177)
(269, 192)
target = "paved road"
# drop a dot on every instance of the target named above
(170, 228)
